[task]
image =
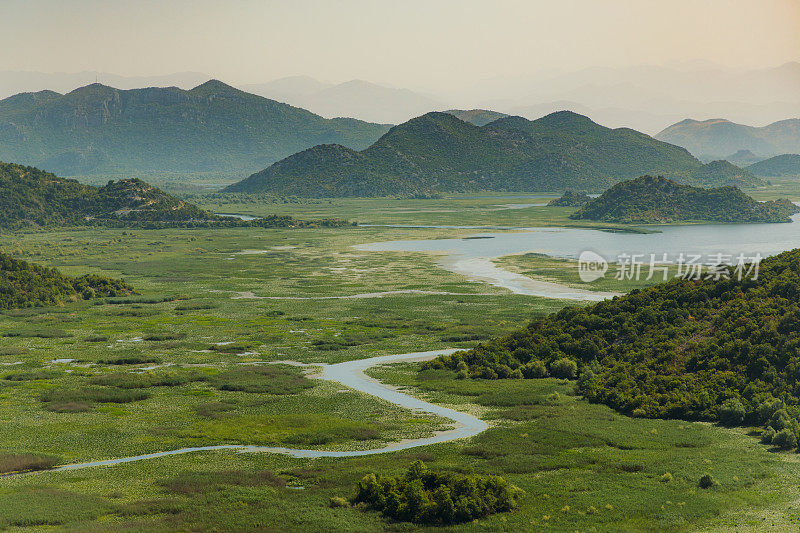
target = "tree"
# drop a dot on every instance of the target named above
(564, 368)
(731, 412)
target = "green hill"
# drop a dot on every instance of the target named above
(32, 197)
(570, 199)
(214, 127)
(438, 152)
(649, 200)
(29, 196)
(723, 350)
(721, 173)
(780, 165)
(25, 284)
(478, 117)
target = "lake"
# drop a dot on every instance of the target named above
(473, 257)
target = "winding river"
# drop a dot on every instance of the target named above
(350, 374)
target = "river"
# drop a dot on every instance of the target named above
(350, 374)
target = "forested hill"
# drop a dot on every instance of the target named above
(438, 152)
(25, 284)
(32, 197)
(780, 165)
(657, 200)
(213, 127)
(29, 196)
(726, 350)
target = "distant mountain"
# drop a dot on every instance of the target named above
(743, 158)
(649, 200)
(290, 90)
(438, 152)
(355, 98)
(648, 98)
(213, 127)
(479, 117)
(15, 82)
(780, 165)
(714, 139)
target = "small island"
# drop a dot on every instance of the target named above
(658, 200)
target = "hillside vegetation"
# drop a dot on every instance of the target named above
(25, 284)
(214, 127)
(726, 350)
(570, 199)
(649, 200)
(438, 152)
(780, 165)
(32, 197)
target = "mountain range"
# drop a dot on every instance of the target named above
(355, 98)
(716, 138)
(438, 152)
(15, 82)
(212, 127)
(647, 98)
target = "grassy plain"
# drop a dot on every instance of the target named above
(213, 303)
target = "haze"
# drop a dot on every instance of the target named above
(418, 44)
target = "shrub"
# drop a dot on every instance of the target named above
(767, 435)
(707, 482)
(785, 439)
(488, 373)
(534, 369)
(503, 371)
(780, 420)
(564, 368)
(768, 408)
(666, 478)
(338, 501)
(732, 412)
(429, 497)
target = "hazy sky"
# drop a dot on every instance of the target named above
(418, 43)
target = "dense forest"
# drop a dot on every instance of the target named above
(726, 350)
(32, 197)
(657, 200)
(438, 153)
(25, 284)
(436, 498)
(212, 128)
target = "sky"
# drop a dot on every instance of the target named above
(411, 43)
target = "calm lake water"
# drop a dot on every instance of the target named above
(473, 257)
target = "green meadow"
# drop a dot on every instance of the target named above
(184, 363)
